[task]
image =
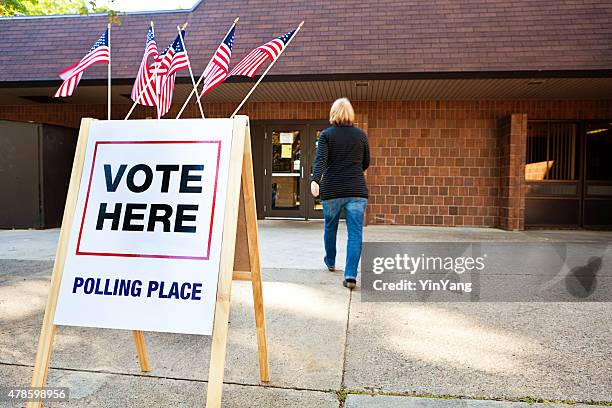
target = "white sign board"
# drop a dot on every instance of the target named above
(286, 137)
(144, 248)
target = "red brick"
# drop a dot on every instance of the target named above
(481, 186)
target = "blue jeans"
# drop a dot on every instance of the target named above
(354, 208)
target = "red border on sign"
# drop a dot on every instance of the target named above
(212, 212)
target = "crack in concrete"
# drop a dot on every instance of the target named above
(346, 338)
(342, 389)
(161, 377)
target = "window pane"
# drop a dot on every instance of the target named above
(286, 156)
(599, 151)
(552, 189)
(551, 151)
(317, 205)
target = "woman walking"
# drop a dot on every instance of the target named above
(342, 156)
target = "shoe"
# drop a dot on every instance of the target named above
(349, 283)
(331, 268)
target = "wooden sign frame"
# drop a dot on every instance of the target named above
(239, 261)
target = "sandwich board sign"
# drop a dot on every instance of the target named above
(160, 217)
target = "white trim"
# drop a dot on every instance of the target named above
(286, 174)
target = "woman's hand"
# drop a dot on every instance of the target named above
(314, 188)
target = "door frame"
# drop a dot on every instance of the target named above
(585, 197)
(581, 183)
(299, 213)
(309, 127)
(538, 201)
(312, 127)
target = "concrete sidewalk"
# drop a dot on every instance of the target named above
(327, 348)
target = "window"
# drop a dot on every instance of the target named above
(599, 151)
(551, 151)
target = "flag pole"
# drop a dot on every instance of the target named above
(142, 91)
(154, 89)
(180, 31)
(267, 70)
(109, 71)
(203, 72)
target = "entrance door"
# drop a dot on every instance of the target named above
(552, 174)
(285, 174)
(569, 174)
(597, 193)
(315, 208)
(289, 150)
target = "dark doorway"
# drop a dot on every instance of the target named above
(597, 190)
(35, 165)
(568, 174)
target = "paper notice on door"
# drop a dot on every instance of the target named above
(286, 151)
(286, 137)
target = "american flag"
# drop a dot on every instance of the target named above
(250, 63)
(99, 52)
(218, 67)
(145, 72)
(173, 59)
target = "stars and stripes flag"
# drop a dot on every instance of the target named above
(144, 86)
(99, 52)
(250, 63)
(218, 68)
(173, 59)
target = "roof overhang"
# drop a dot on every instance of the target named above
(562, 85)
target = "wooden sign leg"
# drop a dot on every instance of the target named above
(43, 358)
(224, 286)
(48, 330)
(141, 350)
(250, 212)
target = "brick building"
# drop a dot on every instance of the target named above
(479, 113)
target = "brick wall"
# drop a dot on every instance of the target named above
(451, 163)
(439, 162)
(432, 165)
(513, 147)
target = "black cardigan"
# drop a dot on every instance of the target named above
(342, 156)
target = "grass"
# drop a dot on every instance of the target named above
(343, 393)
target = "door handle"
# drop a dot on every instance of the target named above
(302, 172)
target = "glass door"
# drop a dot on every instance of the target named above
(315, 208)
(597, 194)
(285, 175)
(568, 174)
(552, 174)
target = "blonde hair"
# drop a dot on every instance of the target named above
(341, 112)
